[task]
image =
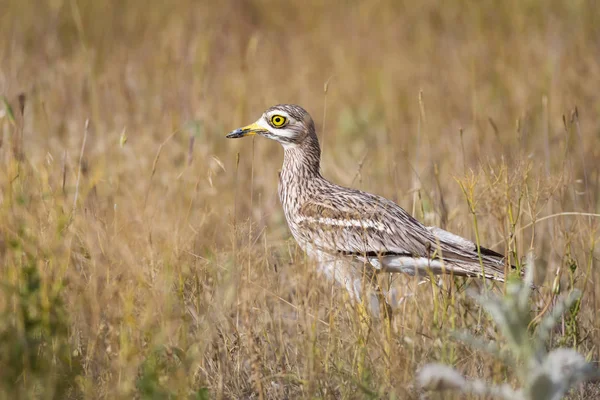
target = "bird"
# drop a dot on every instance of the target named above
(350, 234)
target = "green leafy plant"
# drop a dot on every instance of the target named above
(543, 374)
(36, 358)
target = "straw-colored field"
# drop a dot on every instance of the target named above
(143, 255)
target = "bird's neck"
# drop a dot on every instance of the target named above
(299, 177)
(302, 161)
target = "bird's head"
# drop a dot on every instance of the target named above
(288, 124)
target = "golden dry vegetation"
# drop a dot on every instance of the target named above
(142, 255)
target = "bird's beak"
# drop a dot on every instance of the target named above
(249, 130)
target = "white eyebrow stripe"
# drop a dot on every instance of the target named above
(283, 132)
(365, 223)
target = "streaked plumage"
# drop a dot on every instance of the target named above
(345, 230)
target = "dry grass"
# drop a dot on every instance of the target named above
(154, 261)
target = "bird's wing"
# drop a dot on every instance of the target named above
(348, 226)
(381, 232)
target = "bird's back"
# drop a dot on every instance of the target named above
(346, 221)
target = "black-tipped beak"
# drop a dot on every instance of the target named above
(238, 133)
(249, 130)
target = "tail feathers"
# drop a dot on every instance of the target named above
(423, 266)
(467, 251)
(457, 256)
(451, 238)
(446, 237)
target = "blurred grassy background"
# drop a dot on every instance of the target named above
(150, 264)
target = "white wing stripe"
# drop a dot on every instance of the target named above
(349, 223)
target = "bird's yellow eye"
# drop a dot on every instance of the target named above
(278, 121)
